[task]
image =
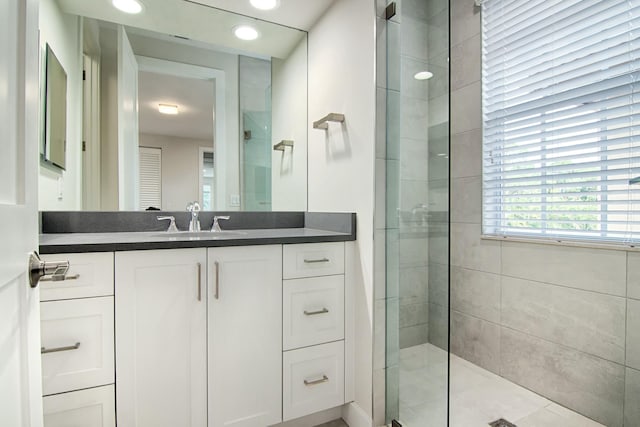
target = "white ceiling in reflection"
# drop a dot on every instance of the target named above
(195, 108)
(198, 21)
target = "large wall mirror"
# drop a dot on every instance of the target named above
(176, 104)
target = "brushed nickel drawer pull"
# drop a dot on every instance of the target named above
(324, 379)
(313, 261)
(60, 278)
(313, 313)
(216, 294)
(199, 282)
(44, 350)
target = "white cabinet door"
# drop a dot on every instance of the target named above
(313, 379)
(93, 407)
(90, 275)
(77, 344)
(313, 259)
(161, 338)
(245, 336)
(313, 311)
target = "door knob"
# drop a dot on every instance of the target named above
(38, 269)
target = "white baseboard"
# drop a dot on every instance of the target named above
(314, 419)
(355, 416)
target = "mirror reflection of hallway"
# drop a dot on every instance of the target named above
(182, 133)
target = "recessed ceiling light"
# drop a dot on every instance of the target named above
(423, 75)
(168, 109)
(245, 32)
(265, 4)
(128, 6)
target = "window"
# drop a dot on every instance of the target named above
(561, 119)
(150, 177)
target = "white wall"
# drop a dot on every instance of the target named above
(289, 121)
(180, 168)
(341, 159)
(64, 34)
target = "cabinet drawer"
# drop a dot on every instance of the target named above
(313, 259)
(90, 275)
(313, 311)
(313, 379)
(94, 407)
(77, 344)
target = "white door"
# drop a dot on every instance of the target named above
(161, 338)
(20, 382)
(245, 336)
(127, 124)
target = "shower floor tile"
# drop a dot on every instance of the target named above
(478, 396)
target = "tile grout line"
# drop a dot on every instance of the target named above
(542, 339)
(538, 281)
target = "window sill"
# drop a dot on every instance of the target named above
(568, 243)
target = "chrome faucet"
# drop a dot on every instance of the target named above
(194, 208)
(172, 225)
(216, 227)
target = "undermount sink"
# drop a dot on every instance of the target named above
(203, 234)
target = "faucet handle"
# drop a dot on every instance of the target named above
(216, 226)
(172, 225)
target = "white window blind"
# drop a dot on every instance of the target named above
(561, 119)
(150, 177)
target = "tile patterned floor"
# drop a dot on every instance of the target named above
(478, 396)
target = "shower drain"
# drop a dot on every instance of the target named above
(502, 423)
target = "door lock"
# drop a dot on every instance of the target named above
(38, 269)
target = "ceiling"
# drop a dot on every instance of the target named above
(195, 117)
(203, 23)
(300, 14)
(194, 21)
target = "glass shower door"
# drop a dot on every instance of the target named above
(255, 108)
(417, 214)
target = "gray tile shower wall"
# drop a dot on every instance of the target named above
(561, 321)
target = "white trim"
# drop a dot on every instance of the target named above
(561, 242)
(180, 69)
(355, 416)
(351, 266)
(91, 164)
(201, 151)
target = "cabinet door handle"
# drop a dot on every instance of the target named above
(60, 278)
(199, 282)
(313, 313)
(44, 350)
(324, 379)
(313, 261)
(216, 294)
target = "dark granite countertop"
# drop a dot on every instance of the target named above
(108, 242)
(313, 228)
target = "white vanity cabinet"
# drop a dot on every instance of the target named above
(314, 328)
(245, 336)
(239, 336)
(161, 338)
(77, 335)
